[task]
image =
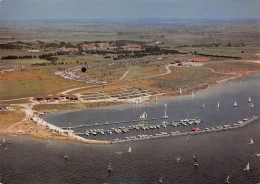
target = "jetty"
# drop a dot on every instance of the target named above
(240, 124)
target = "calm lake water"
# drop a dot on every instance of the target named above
(220, 153)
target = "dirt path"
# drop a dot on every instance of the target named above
(124, 75)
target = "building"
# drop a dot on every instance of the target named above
(55, 97)
(64, 49)
(4, 107)
(35, 51)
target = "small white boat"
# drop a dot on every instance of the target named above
(218, 106)
(251, 141)
(188, 138)
(192, 94)
(109, 168)
(235, 104)
(160, 180)
(129, 150)
(66, 156)
(252, 105)
(156, 98)
(196, 163)
(178, 159)
(203, 106)
(247, 167)
(227, 180)
(143, 116)
(165, 114)
(180, 91)
(49, 141)
(3, 141)
(249, 100)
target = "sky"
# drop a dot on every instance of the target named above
(110, 9)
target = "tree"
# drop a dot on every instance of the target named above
(83, 69)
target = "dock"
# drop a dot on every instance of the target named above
(111, 123)
(239, 125)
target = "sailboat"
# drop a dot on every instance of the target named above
(143, 116)
(178, 159)
(203, 106)
(129, 150)
(196, 163)
(249, 100)
(247, 167)
(109, 168)
(235, 104)
(227, 180)
(180, 91)
(156, 98)
(251, 141)
(218, 106)
(160, 180)
(165, 114)
(188, 138)
(3, 141)
(49, 141)
(192, 94)
(66, 156)
(251, 105)
(20, 130)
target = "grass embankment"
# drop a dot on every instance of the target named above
(20, 84)
(72, 106)
(9, 118)
(187, 78)
(109, 73)
(233, 66)
(18, 101)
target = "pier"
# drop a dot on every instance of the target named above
(111, 123)
(240, 124)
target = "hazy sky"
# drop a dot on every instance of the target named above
(100, 9)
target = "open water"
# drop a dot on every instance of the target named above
(219, 153)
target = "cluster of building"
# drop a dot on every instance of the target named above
(71, 74)
(70, 49)
(179, 60)
(102, 47)
(110, 47)
(55, 97)
(4, 107)
(7, 70)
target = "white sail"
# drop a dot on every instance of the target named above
(156, 98)
(235, 104)
(227, 180)
(247, 167)
(192, 94)
(203, 106)
(165, 113)
(218, 106)
(249, 100)
(251, 141)
(180, 91)
(129, 149)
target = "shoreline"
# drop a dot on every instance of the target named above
(45, 134)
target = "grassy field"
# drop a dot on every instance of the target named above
(233, 66)
(109, 73)
(8, 118)
(20, 84)
(18, 101)
(187, 78)
(71, 106)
